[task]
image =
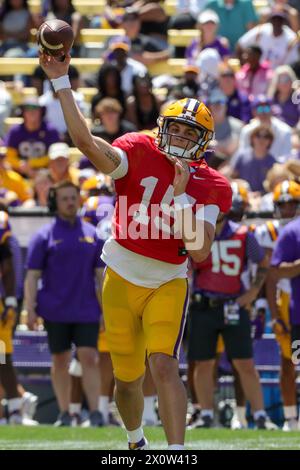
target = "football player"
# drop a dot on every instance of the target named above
(221, 305)
(8, 307)
(168, 201)
(286, 199)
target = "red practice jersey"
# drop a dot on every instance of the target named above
(147, 228)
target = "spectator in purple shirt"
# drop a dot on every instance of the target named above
(28, 143)
(252, 164)
(286, 104)
(286, 264)
(238, 104)
(63, 264)
(208, 22)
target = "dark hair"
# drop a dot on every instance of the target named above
(65, 184)
(55, 9)
(256, 49)
(73, 72)
(262, 128)
(7, 7)
(103, 73)
(145, 120)
(136, 78)
(52, 203)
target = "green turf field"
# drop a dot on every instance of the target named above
(47, 437)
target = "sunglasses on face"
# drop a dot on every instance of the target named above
(227, 75)
(263, 109)
(262, 136)
(284, 79)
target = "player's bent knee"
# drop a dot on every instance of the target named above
(126, 387)
(164, 367)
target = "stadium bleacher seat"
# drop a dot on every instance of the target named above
(96, 7)
(19, 95)
(11, 121)
(9, 66)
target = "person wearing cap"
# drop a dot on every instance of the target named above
(262, 112)
(118, 52)
(28, 143)
(107, 122)
(208, 23)
(279, 43)
(188, 85)
(63, 260)
(238, 104)
(13, 181)
(144, 48)
(289, 7)
(252, 164)
(227, 128)
(59, 164)
(236, 17)
(255, 75)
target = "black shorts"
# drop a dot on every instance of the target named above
(61, 336)
(204, 327)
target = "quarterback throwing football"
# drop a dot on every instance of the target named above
(168, 201)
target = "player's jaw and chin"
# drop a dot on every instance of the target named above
(180, 147)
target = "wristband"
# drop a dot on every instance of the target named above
(61, 83)
(181, 202)
(11, 302)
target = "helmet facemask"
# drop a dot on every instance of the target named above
(195, 153)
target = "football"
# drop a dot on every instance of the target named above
(55, 38)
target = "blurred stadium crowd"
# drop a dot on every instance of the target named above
(241, 57)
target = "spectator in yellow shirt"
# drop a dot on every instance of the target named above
(12, 181)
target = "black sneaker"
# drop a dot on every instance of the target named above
(264, 422)
(76, 419)
(203, 422)
(194, 417)
(96, 419)
(64, 419)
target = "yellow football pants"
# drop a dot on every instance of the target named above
(139, 320)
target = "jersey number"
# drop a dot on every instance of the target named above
(222, 260)
(142, 217)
